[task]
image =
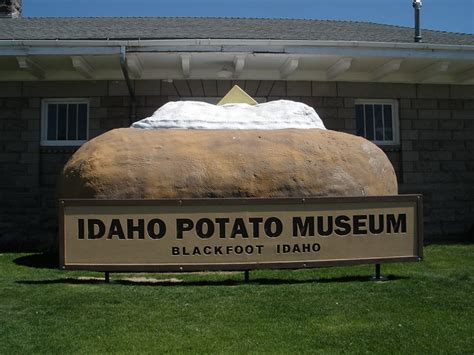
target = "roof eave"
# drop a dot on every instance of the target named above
(266, 59)
(51, 47)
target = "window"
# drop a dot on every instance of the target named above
(65, 122)
(377, 120)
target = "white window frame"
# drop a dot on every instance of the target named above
(395, 119)
(44, 122)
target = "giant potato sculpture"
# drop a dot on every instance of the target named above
(227, 161)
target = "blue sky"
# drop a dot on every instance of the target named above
(445, 15)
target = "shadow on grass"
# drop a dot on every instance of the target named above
(39, 261)
(180, 282)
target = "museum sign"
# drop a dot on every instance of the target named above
(238, 234)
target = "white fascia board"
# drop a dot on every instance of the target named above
(341, 48)
(230, 42)
(37, 50)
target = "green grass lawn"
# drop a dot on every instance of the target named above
(425, 307)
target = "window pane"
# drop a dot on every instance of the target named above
(369, 122)
(82, 122)
(51, 125)
(360, 129)
(72, 122)
(62, 116)
(378, 123)
(388, 122)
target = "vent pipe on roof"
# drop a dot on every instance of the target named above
(10, 8)
(417, 5)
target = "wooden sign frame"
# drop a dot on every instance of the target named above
(214, 204)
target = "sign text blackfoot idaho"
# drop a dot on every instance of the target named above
(238, 234)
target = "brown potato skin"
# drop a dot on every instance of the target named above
(129, 163)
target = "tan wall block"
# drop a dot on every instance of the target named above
(467, 104)
(210, 88)
(168, 89)
(147, 87)
(96, 112)
(182, 88)
(240, 83)
(434, 114)
(10, 89)
(278, 89)
(350, 124)
(435, 135)
(265, 87)
(30, 136)
(333, 102)
(349, 103)
(113, 101)
(408, 114)
(346, 113)
(299, 88)
(65, 88)
(464, 114)
(323, 88)
(376, 90)
(425, 91)
(425, 124)
(251, 87)
(451, 124)
(196, 87)
(119, 88)
(462, 92)
(30, 113)
(223, 87)
(405, 124)
(424, 104)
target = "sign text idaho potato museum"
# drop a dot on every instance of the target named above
(237, 234)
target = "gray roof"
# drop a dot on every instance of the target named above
(95, 28)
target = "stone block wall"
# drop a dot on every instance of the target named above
(435, 156)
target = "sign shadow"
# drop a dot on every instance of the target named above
(39, 261)
(142, 281)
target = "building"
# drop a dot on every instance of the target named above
(66, 80)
